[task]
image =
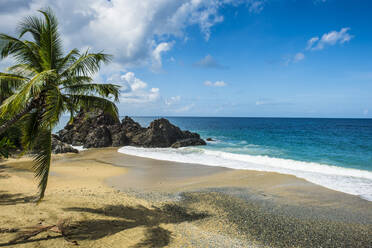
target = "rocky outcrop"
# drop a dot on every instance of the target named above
(98, 137)
(95, 129)
(161, 133)
(60, 147)
(79, 132)
(188, 142)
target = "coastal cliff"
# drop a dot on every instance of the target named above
(96, 129)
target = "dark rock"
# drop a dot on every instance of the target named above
(60, 147)
(120, 139)
(210, 139)
(131, 128)
(98, 137)
(161, 133)
(188, 142)
(84, 123)
(96, 129)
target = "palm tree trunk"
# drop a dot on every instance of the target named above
(13, 120)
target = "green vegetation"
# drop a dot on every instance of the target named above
(5, 146)
(43, 84)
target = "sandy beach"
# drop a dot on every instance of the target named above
(113, 200)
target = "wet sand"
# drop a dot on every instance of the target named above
(116, 200)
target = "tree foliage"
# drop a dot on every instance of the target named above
(44, 83)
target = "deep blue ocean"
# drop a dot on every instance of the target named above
(335, 153)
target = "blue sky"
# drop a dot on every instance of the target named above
(226, 58)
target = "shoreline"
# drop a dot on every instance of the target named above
(308, 171)
(113, 198)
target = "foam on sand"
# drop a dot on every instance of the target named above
(351, 181)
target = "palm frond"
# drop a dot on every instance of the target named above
(42, 160)
(54, 108)
(50, 42)
(104, 90)
(68, 60)
(74, 80)
(24, 70)
(8, 84)
(30, 129)
(33, 25)
(25, 94)
(87, 64)
(94, 102)
(24, 52)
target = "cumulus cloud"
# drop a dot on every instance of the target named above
(215, 84)
(209, 62)
(134, 90)
(157, 52)
(329, 39)
(136, 32)
(316, 43)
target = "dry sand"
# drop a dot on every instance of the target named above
(114, 200)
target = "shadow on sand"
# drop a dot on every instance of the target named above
(131, 217)
(2, 172)
(112, 219)
(13, 199)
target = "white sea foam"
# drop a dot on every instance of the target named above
(347, 180)
(79, 148)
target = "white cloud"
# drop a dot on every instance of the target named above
(215, 84)
(316, 43)
(134, 90)
(157, 52)
(136, 32)
(329, 39)
(365, 112)
(256, 6)
(311, 42)
(172, 100)
(298, 57)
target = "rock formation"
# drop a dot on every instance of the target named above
(60, 147)
(96, 129)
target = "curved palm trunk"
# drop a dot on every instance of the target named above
(13, 120)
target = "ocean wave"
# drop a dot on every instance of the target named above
(347, 180)
(79, 148)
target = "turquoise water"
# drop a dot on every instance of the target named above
(339, 142)
(334, 153)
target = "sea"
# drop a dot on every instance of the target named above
(334, 153)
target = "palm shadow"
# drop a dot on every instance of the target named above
(13, 199)
(130, 217)
(2, 172)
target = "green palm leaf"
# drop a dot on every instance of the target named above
(95, 102)
(42, 160)
(105, 90)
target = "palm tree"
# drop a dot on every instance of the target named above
(44, 84)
